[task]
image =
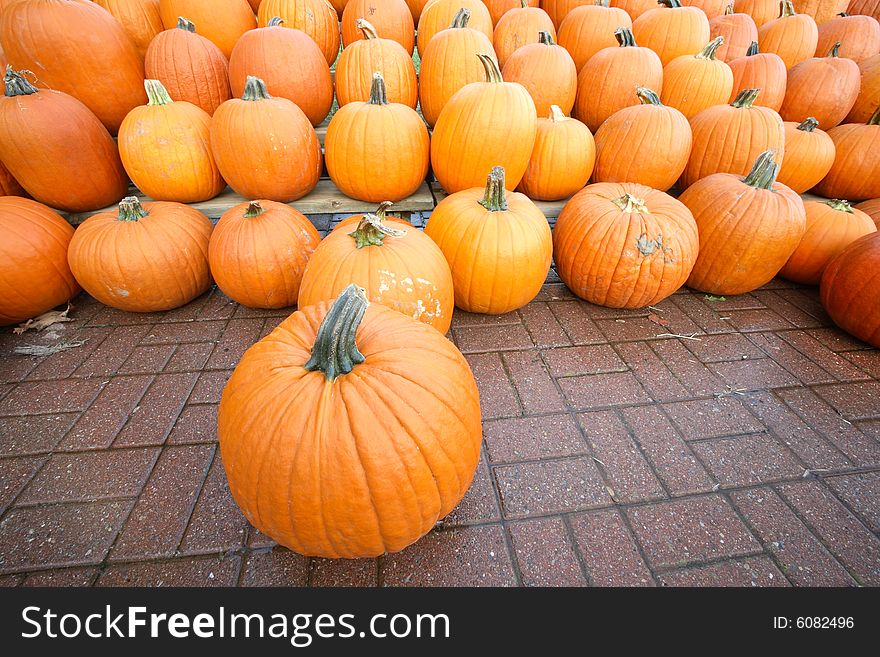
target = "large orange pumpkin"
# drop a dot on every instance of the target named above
(497, 244)
(289, 63)
(831, 227)
(871, 207)
(760, 70)
(376, 150)
(358, 63)
(221, 21)
(317, 18)
(672, 30)
(792, 36)
(691, 83)
(399, 266)
(607, 81)
(519, 27)
(470, 137)
(809, 154)
(589, 28)
(850, 289)
(383, 439)
(729, 138)
(438, 15)
(34, 275)
(859, 37)
(57, 149)
(547, 72)
(259, 251)
(189, 66)
(738, 30)
(143, 258)
(749, 227)
(822, 10)
(562, 159)
(823, 87)
(624, 245)
(391, 18)
(869, 91)
(77, 48)
(497, 8)
(265, 147)
(647, 144)
(762, 11)
(139, 18)
(855, 174)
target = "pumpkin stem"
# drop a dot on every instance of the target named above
(461, 18)
(365, 26)
(672, 4)
(275, 21)
(647, 96)
(495, 199)
(728, 10)
(839, 204)
(185, 24)
(556, 114)
(835, 50)
(545, 37)
(156, 93)
(254, 210)
(630, 203)
(130, 209)
(709, 51)
(372, 231)
(255, 89)
(602, 3)
(875, 119)
(753, 49)
(16, 84)
(378, 93)
(493, 73)
(625, 37)
(809, 124)
(524, 4)
(745, 98)
(842, 13)
(335, 351)
(786, 9)
(763, 174)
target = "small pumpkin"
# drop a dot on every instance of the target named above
(519, 27)
(392, 19)
(850, 289)
(792, 36)
(869, 91)
(497, 244)
(399, 266)
(438, 15)
(749, 227)
(317, 18)
(259, 251)
(871, 207)
(265, 147)
(497, 8)
(165, 149)
(377, 151)
(140, 19)
(607, 80)
(143, 258)
(672, 30)
(831, 227)
(382, 442)
(562, 159)
(358, 62)
(222, 22)
(547, 72)
(762, 11)
(589, 28)
(738, 30)
(691, 83)
(34, 275)
(859, 36)
(189, 66)
(855, 173)
(648, 144)
(823, 87)
(760, 70)
(624, 245)
(809, 154)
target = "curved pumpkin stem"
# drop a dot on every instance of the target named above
(625, 37)
(157, 95)
(602, 3)
(556, 114)
(335, 351)
(372, 231)
(185, 24)
(130, 209)
(672, 4)
(367, 28)
(546, 38)
(461, 18)
(495, 199)
(763, 173)
(875, 119)
(493, 73)
(786, 9)
(839, 205)
(709, 51)
(835, 50)
(745, 98)
(524, 4)
(728, 10)
(378, 93)
(16, 84)
(254, 210)
(275, 21)
(753, 49)
(255, 89)
(630, 203)
(648, 97)
(809, 124)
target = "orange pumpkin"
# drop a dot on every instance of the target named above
(392, 19)
(692, 83)
(589, 28)
(497, 8)
(655, 139)
(562, 159)
(469, 139)
(377, 151)
(438, 15)
(358, 62)
(864, 8)
(607, 80)
(265, 147)
(146, 258)
(290, 64)
(497, 244)
(712, 8)
(317, 18)
(823, 87)
(859, 37)
(672, 30)
(189, 66)
(57, 149)
(77, 48)
(547, 72)
(849, 289)
(855, 173)
(822, 10)
(165, 149)
(831, 227)
(871, 207)
(762, 11)
(399, 266)
(415, 8)
(449, 63)
(140, 19)
(519, 27)
(792, 36)
(255, 5)
(557, 10)
(760, 70)
(635, 8)
(220, 21)
(34, 275)
(382, 442)
(738, 30)
(749, 227)
(869, 91)
(729, 138)
(258, 253)
(809, 154)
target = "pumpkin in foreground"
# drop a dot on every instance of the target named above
(350, 430)
(850, 289)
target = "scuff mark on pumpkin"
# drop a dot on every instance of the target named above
(649, 247)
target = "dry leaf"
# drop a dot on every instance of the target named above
(45, 320)
(654, 317)
(44, 350)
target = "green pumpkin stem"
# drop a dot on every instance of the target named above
(556, 114)
(602, 3)
(809, 124)
(546, 38)
(255, 89)
(156, 93)
(709, 51)
(461, 18)
(763, 173)
(16, 84)
(523, 4)
(185, 24)
(835, 50)
(493, 73)
(372, 231)
(672, 4)
(625, 37)
(335, 351)
(378, 92)
(254, 210)
(728, 10)
(648, 97)
(786, 9)
(745, 98)
(629, 203)
(366, 28)
(875, 118)
(275, 21)
(130, 209)
(839, 205)
(753, 49)
(495, 199)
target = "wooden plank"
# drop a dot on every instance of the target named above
(551, 209)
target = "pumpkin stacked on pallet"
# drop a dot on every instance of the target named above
(547, 72)
(692, 83)
(392, 19)
(588, 29)
(738, 30)
(438, 15)
(672, 30)
(823, 87)
(859, 36)
(809, 154)
(760, 70)
(792, 36)
(518, 27)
